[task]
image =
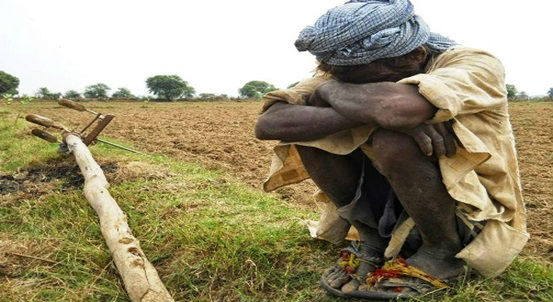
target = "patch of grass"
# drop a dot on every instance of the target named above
(211, 239)
(15, 150)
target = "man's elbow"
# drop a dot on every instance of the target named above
(263, 129)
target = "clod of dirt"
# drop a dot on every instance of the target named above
(63, 174)
(39, 178)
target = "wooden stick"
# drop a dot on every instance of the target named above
(139, 275)
(33, 257)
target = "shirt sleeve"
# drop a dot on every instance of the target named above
(462, 81)
(296, 95)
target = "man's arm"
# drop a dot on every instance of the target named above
(389, 105)
(287, 122)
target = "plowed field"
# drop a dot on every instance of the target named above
(220, 136)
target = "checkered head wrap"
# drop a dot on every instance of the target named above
(362, 31)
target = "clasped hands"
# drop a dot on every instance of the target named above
(433, 139)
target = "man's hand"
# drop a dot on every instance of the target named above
(434, 139)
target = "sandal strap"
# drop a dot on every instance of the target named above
(366, 253)
(398, 268)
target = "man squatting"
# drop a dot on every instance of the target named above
(407, 135)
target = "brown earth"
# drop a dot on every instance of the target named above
(62, 174)
(220, 136)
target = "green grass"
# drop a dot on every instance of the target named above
(210, 237)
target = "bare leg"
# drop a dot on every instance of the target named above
(338, 176)
(417, 182)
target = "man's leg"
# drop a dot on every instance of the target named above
(417, 182)
(338, 176)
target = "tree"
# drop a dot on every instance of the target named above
(511, 91)
(97, 91)
(207, 96)
(8, 84)
(256, 89)
(46, 94)
(169, 87)
(123, 93)
(522, 95)
(550, 93)
(72, 94)
(213, 97)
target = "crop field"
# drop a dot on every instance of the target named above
(196, 205)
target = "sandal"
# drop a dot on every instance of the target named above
(348, 263)
(396, 279)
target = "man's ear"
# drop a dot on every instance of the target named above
(419, 54)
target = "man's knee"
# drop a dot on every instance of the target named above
(393, 151)
(315, 157)
(310, 153)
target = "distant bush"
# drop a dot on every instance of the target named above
(72, 94)
(123, 93)
(45, 94)
(531, 99)
(8, 84)
(511, 91)
(212, 97)
(256, 89)
(97, 91)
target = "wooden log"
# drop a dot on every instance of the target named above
(139, 275)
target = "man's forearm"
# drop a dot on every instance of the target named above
(389, 105)
(292, 123)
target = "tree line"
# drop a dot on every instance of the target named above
(514, 94)
(173, 87)
(163, 87)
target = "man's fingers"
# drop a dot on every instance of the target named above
(438, 142)
(424, 142)
(449, 139)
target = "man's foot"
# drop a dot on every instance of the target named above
(436, 265)
(353, 265)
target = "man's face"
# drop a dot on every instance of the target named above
(376, 72)
(385, 70)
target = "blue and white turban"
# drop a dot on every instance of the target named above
(362, 31)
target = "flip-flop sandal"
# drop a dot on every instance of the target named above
(396, 279)
(349, 260)
(369, 295)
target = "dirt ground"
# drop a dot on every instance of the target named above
(220, 136)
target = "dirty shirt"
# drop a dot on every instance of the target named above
(466, 85)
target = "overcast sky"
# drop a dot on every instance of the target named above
(217, 46)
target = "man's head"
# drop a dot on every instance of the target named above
(381, 70)
(371, 40)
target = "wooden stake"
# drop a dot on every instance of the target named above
(139, 275)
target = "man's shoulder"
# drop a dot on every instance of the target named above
(467, 57)
(298, 94)
(310, 84)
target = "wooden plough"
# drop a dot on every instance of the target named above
(139, 276)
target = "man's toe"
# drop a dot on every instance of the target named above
(351, 286)
(329, 271)
(339, 280)
(333, 276)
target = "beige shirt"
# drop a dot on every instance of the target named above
(466, 85)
